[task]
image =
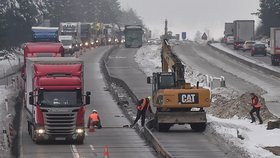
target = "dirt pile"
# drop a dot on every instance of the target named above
(227, 107)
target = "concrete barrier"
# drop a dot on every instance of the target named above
(146, 132)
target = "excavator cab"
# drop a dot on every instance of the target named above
(162, 80)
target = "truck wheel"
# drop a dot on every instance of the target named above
(198, 127)
(80, 141)
(28, 128)
(163, 127)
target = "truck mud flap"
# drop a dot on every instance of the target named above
(181, 117)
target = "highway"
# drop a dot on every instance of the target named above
(121, 142)
(180, 141)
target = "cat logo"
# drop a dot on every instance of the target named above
(188, 98)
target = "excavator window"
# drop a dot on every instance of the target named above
(166, 82)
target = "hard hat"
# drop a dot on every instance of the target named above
(150, 98)
(94, 110)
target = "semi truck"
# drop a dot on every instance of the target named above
(244, 30)
(228, 33)
(55, 99)
(86, 33)
(133, 36)
(229, 28)
(275, 45)
(44, 34)
(71, 29)
(41, 49)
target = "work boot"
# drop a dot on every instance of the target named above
(261, 122)
(252, 121)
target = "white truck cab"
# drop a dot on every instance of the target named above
(68, 43)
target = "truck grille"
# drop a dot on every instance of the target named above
(57, 123)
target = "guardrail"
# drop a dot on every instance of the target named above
(248, 63)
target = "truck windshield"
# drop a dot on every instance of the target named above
(59, 98)
(66, 42)
(166, 82)
(134, 34)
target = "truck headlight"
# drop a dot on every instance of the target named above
(92, 43)
(86, 43)
(70, 47)
(79, 131)
(41, 131)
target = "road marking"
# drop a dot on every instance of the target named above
(92, 148)
(86, 133)
(74, 151)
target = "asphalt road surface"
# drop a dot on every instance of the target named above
(181, 141)
(121, 142)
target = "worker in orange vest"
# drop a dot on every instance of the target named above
(256, 108)
(142, 107)
(94, 120)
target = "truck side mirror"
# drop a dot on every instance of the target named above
(31, 99)
(88, 93)
(149, 80)
(88, 97)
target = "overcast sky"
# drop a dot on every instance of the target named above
(192, 15)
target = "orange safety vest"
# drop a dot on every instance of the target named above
(142, 106)
(94, 117)
(255, 102)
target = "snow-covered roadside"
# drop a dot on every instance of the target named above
(256, 137)
(9, 90)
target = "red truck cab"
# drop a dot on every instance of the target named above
(56, 106)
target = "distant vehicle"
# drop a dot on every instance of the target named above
(244, 30)
(68, 43)
(86, 30)
(44, 34)
(275, 46)
(248, 45)
(229, 39)
(71, 29)
(133, 36)
(41, 49)
(258, 48)
(228, 29)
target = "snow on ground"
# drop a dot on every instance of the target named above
(229, 116)
(8, 90)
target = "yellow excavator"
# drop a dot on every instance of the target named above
(176, 101)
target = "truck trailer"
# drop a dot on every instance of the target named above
(44, 34)
(244, 30)
(275, 45)
(54, 99)
(41, 49)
